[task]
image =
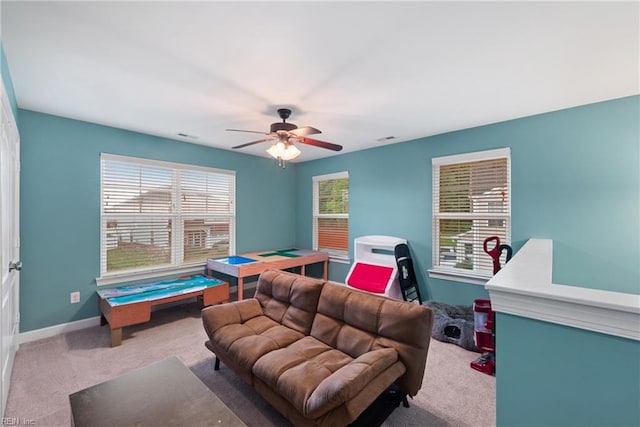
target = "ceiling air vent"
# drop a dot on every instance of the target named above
(184, 135)
(386, 138)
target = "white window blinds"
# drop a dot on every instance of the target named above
(471, 201)
(331, 214)
(161, 215)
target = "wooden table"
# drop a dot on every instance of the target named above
(161, 394)
(130, 305)
(254, 263)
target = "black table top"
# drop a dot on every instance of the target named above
(161, 394)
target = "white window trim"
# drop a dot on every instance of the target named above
(163, 271)
(497, 153)
(315, 215)
(173, 165)
(151, 273)
(459, 275)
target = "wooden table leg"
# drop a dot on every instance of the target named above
(326, 263)
(116, 337)
(240, 288)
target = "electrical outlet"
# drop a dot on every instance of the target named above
(75, 297)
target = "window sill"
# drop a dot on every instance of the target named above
(340, 260)
(150, 274)
(474, 279)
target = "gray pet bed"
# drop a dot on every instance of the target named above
(453, 324)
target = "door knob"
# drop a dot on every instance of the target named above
(15, 266)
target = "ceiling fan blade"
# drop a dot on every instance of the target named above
(321, 144)
(251, 143)
(307, 130)
(250, 131)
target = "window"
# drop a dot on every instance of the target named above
(159, 216)
(331, 214)
(471, 201)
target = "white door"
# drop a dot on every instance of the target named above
(9, 243)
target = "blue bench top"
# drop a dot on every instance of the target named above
(152, 291)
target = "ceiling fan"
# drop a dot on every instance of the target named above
(285, 135)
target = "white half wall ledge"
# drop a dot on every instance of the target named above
(524, 288)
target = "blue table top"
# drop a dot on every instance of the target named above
(235, 260)
(149, 292)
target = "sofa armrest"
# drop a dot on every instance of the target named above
(217, 316)
(348, 381)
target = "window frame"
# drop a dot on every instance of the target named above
(177, 266)
(338, 256)
(459, 274)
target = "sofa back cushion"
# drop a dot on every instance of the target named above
(357, 322)
(289, 299)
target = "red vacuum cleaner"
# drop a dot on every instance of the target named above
(484, 317)
(484, 337)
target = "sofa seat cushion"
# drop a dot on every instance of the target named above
(246, 342)
(316, 378)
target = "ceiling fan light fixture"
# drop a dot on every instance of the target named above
(277, 150)
(287, 135)
(282, 151)
(290, 153)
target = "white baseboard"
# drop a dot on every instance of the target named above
(38, 334)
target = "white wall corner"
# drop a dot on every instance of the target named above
(524, 288)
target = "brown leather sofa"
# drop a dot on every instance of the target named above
(317, 351)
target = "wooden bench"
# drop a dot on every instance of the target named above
(131, 305)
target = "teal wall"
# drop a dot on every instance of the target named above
(8, 83)
(60, 207)
(389, 194)
(551, 375)
(575, 179)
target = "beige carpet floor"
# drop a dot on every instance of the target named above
(45, 372)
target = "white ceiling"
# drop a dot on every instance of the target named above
(358, 71)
